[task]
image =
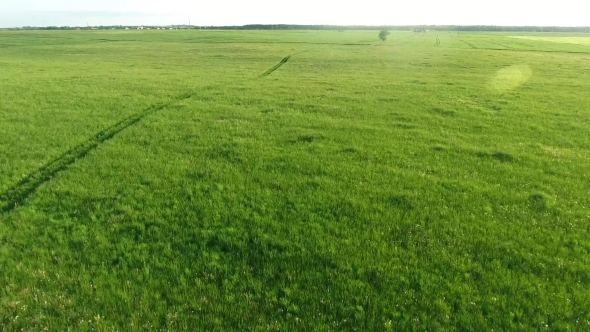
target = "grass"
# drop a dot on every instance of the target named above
(576, 40)
(152, 180)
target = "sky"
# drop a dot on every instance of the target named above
(16, 13)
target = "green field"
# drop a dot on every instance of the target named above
(227, 180)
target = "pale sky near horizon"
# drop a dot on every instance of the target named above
(15, 13)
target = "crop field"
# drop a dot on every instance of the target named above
(301, 180)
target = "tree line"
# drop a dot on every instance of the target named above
(419, 28)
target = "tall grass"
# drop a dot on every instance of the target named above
(362, 185)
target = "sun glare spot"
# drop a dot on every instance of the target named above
(510, 78)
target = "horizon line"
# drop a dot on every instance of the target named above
(299, 24)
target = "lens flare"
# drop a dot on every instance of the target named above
(510, 78)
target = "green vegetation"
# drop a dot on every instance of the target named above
(383, 34)
(423, 28)
(193, 180)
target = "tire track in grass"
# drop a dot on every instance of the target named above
(18, 194)
(499, 44)
(405, 38)
(468, 43)
(275, 67)
(279, 65)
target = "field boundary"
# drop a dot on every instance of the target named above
(532, 50)
(17, 194)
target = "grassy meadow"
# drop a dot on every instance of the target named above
(266, 181)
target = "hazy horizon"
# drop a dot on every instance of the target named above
(369, 12)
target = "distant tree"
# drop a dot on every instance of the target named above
(383, 35)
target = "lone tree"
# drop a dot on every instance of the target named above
(383, 35)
